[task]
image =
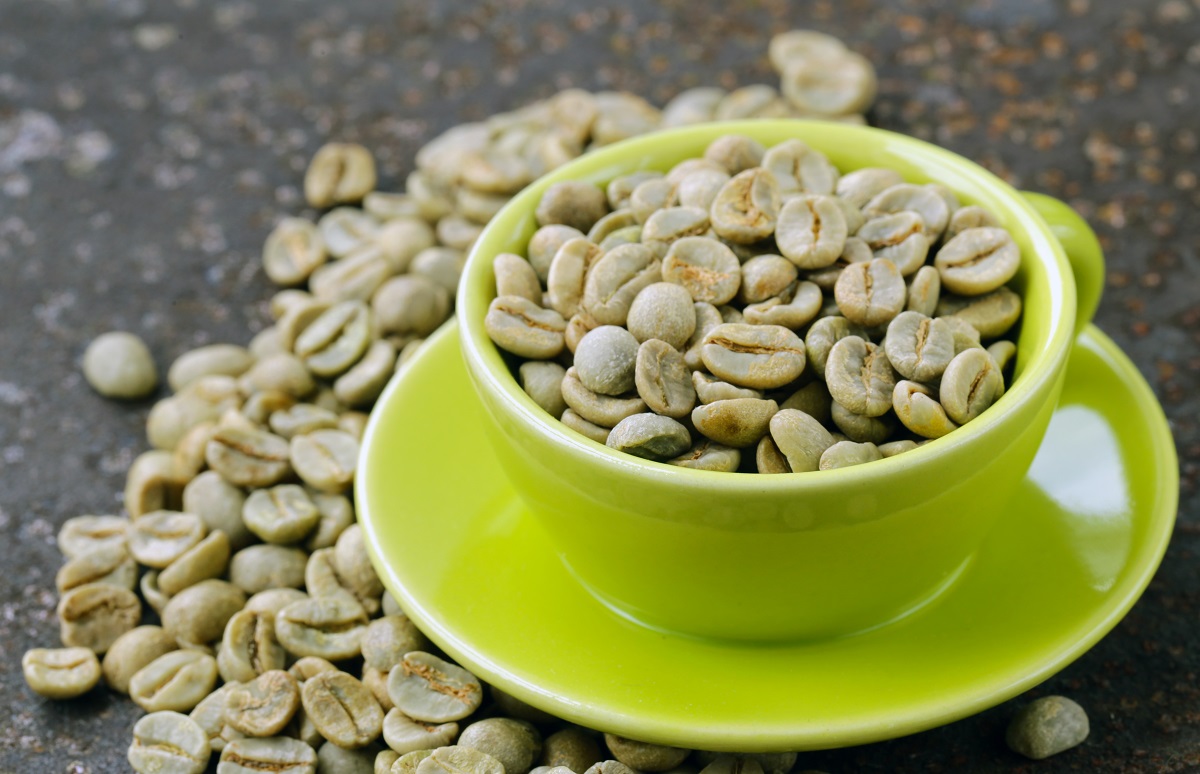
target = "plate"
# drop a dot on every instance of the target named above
(458, 550)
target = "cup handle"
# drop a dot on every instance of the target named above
(1083, 252)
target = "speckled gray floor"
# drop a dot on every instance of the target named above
(145, 147)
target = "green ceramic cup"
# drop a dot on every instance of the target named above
(805, 555)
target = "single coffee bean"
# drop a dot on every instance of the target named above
(325, 460)
(662, 311)
(829, 87)
(264, 705)
(389, 639)
(812, 231)
(293, 250)
(705, 267)
(283, 373)
(339, 172)
(545, 244)
(707, 455)
(768, 458)
(710, 389)
(918, 347)
(154, 596)
(400, 240)
(892, 448)
(1047, 726)
(271, 601)
(603, 410)
(794, 309)
(155, 480)
(376, 682)
(405, 735)
(187, 461)
(567, 274)
(410, 761)
(971, 216)
(354, 567)
(610, 224)
(571, 748)
(425, 687)
(859, 428)
(456, 759)
(756, 356)
(914, 198)
(207, 559)
(174, 681)
(262, 567)
(870, 293)
(515, 743)
(1002, 352)
(591, 430)
(110, 564)
(253, 458)
(916, 407)
(282, 514)
(410, 304)
(336, 340)
(119, 365)
(81, 535)
(965, 335)
(168, 743)
(516, 277)
(249, 648)
(493, 170)
(60, 673)
(863, 185)
(94, 615)
(978, 261)
(605, 359)
(737, 423)
(300, 418)
(992, 314)
(971, 383)
(898, 237)
(519, 326)
(692, 106)
(746, 209)
(342, 709)
(620, 189)
(800, 438)
(443, 265)
(131, 651)
(798, 168)
(616, 279)
(542, 381)
(309, 667)
(700, 188)
(644, 756)
(844, 454)
(650, 436)
(198, 614)
(211, 360)
(346, 230)
(278, 755)
(924, 291)
(813, 399)
(662, 379)
(764, 277)
(321, 578)
(332, 759)
(650, 197)
(735, 153)
(329, 627)
(860, 376)
(159, 538)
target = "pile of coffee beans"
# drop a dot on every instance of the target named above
(234, 600)
(757, 298)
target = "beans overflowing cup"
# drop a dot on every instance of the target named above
(809, 554)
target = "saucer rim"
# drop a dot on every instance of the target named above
(1116, 603)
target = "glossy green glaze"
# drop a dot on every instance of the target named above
(772, 558)
(1081, 538)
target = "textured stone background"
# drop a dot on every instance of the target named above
(147, 147)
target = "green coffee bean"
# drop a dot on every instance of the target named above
(277, 754)
(738, 422)
(516, 277)
(918, 347)
(400, 240)
(335, 515)
(110, 564)
(154, 596)
(301, 418)
(768, 458)
(131, 651)
(271, 601)
(427, 688)
(207, 559)
(60, 673)
(405, 735)
(545, 244)
(799, 168)
(174, 681)
(329, 627)
(800, 439)
(649, 436)
(707, 455)
(924, 290)
(408, 762)
(284, 373)
(648, 198)
(596, 432)
(1002, 352)
(764, 277)
(325, 460)
(735, 153)
(264, 705)
(870, 293)
(706, 268)
(620, 189)
(699, 189)
(572, 748)
(992, 314)
(249, 648)
(155, 481)
(610, 224)
(282, 514)
(387, 640)
(813, 399)
(345, 230)
(893, 448)
(844, 454)
(644, 756)
(605, 359)
(829, 86)
(293, 250)
(662, 379)
(94, 615)
(412, 304)
(310, 666)
(692, 106)
(970, 384)
(211, 360)
(459, 760)
(248, 457)
(198, 614)
(119, 365)
(860, 376)
(863, 185)
(515, 743)
(495, 171)
(261, 567)
(616, 279)
(1046, 727)
(793, 309)
(209, 714)
(355, 569)
(542, 381)
(972, 216)
(915, 198)
(899, 237)
(603, 410)
(916, 407)
(479, 207)
(339, 172)
(710, 389)
(187, 460)
(81, 535)
(756, 356)
(337, 339)
(859, 428)
(978, 261)
(159, 538)
(662, 311)
(746, 209)
(168, 743)
(812, 231)
(342, 709)
(575, 204)
(519, 326)
(965, 335)
(376, 682)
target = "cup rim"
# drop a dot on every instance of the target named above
(491, 374)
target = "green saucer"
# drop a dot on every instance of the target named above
(457, 549)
